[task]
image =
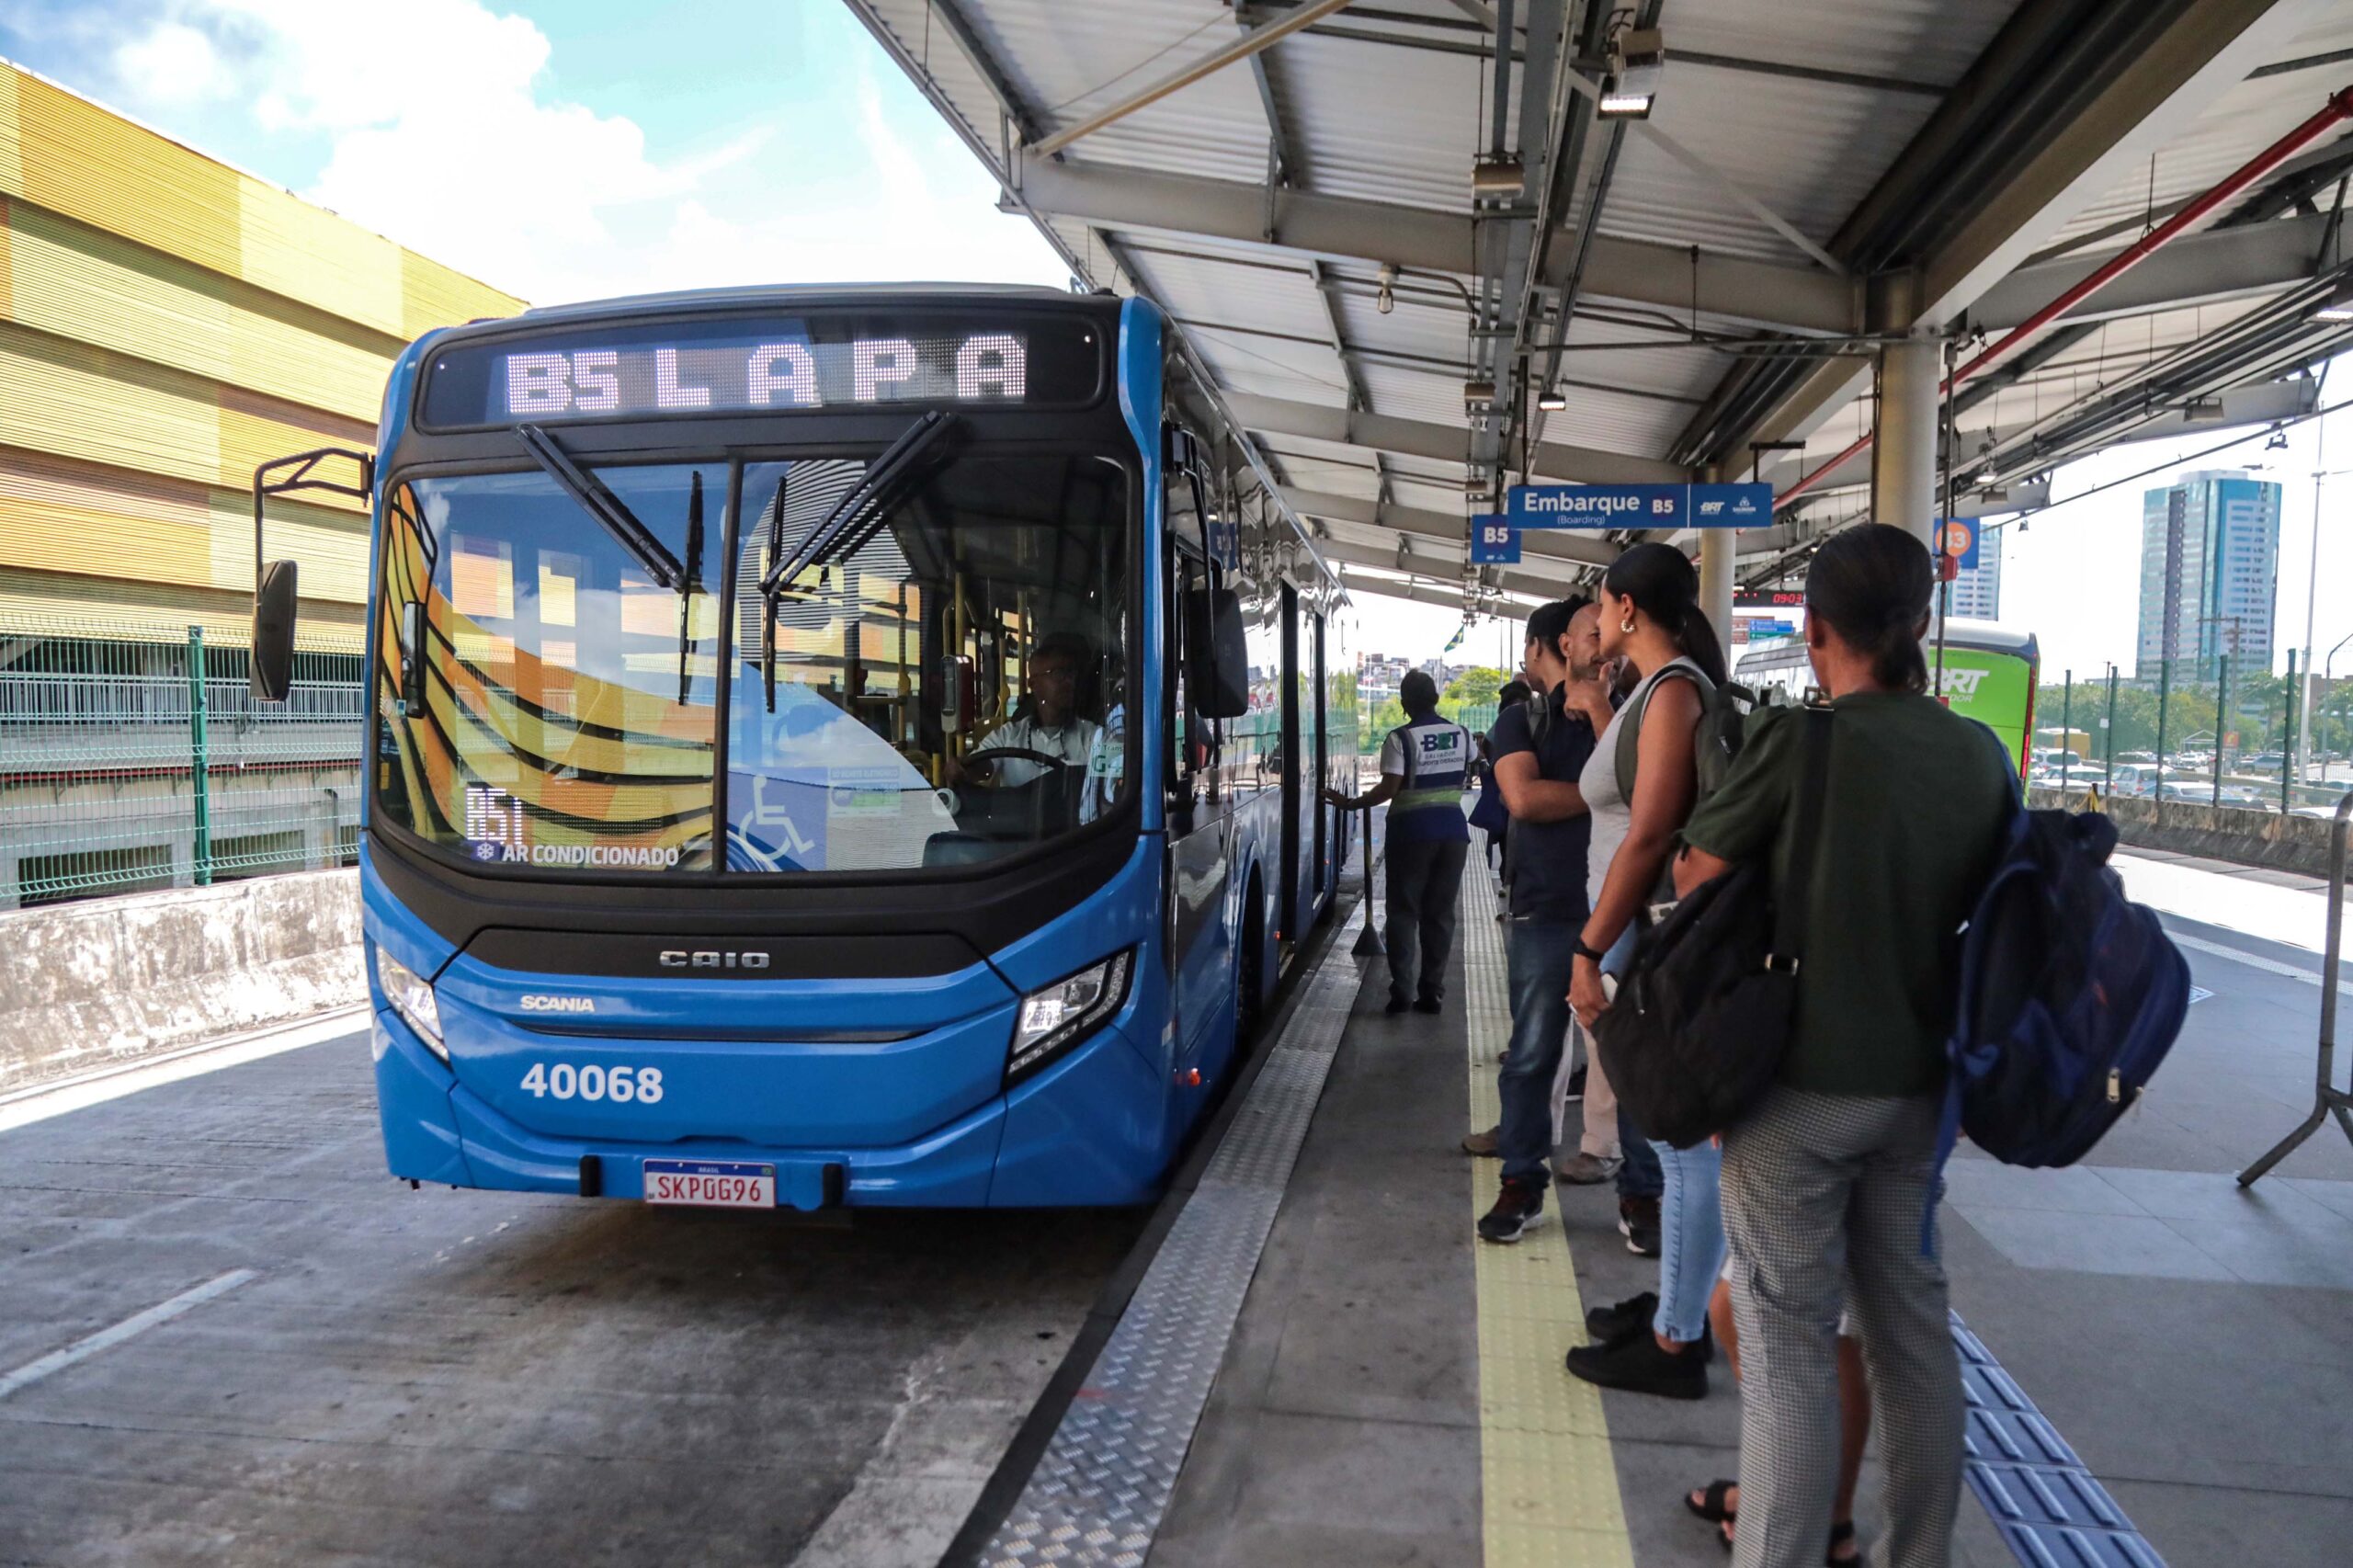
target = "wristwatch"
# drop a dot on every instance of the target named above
(1583, 951)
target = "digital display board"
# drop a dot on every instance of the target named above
(640, 369)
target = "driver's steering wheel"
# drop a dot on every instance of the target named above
(1021, 754)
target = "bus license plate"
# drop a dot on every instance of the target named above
(711, 1184)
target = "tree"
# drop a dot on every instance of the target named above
(1476, 686)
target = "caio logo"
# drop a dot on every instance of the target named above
(685, 958)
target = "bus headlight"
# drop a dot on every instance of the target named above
(411, 996)
(1058, 1016)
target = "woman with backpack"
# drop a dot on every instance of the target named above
(1829, 1180)
(1651, 618)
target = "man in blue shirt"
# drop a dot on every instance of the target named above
(1539, 752)
(1425, 767)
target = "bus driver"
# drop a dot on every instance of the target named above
(1048, 725)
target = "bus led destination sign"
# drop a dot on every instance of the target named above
(637, 370)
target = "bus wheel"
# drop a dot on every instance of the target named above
(1250, 972)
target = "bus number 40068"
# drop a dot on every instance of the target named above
(621, 1085)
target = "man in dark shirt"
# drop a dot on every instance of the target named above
(1538, 755)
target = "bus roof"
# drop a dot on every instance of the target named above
(793, 294)
(1959, 632)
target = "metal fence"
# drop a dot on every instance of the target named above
(2198, 732)
(138, 759)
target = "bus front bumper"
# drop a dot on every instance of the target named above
(1092, 1130)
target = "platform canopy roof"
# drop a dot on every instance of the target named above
(1361, 216)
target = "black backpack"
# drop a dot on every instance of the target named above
(1715, 742)
(1702, 1017)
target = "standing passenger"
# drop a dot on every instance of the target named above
(1539, 753)
(1651, 616)
(1838, 1163)
(1424, 764)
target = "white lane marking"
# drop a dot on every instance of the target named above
(39, 1102)
(2273, 966)
(108, 1338)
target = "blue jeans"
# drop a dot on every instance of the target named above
(1639, 1176)
(1540, 954)
(1691, 1238)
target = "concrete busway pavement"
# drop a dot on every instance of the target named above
(455, 1378)
(2193, 1342)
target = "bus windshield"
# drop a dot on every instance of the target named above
(940, 685)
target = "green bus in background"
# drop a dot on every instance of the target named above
(1989, 676)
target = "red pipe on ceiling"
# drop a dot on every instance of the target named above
(2338, 109)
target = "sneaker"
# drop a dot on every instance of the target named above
(1638, 1222)
(1396, 1005)
(1587, 1170)
(1577, 1085)
(1611, 1324)
(1637, 1365)
(1428, 1005)
(1485, 1145)
(1516, 1209)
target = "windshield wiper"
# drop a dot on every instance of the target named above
(902, 466)
(690, 582)
(604, 506)
(856, 518)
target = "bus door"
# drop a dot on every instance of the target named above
(1200, 808)
(1293, 775)
(1322, 774)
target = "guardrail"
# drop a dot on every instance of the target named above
(2327, 1099)
(137, 758)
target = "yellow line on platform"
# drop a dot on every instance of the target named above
(1548, 1473)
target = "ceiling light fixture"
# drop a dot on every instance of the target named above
(1386, 300)
(1553, 402)
(1478, 395)
(1497, 178)
(1637, 62)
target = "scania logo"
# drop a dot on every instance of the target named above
(681, 958)
(559, 1004)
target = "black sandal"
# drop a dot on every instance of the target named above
(1710, 1506)
(1840, 1534)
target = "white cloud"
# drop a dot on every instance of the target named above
(174, 64)
(442, 131)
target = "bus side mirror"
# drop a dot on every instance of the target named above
(273, 639)
(1217, 667)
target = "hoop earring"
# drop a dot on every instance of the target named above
(1627, 626)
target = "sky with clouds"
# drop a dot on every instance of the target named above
(570, 149)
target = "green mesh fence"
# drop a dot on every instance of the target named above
(138, 759)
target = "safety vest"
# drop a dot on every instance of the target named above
(1437, 756)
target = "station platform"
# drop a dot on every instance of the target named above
(226, 1338)
(1392, 1391)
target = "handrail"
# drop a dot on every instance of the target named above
(2327, 1096)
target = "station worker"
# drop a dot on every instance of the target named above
(1425, 767)
(1048, 723)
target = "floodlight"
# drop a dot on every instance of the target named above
(1553, 402)
(2338, 306)
(1637, 62)
(1503, 176)
(1478, 395)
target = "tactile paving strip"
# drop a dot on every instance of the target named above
(2050, 1509)
(1548, 1476)
(1103, 1485)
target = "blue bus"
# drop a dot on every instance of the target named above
(825, 747)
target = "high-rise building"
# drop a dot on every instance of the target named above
(2210, 571)
(1977, 591)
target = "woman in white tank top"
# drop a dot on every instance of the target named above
(1651, 616)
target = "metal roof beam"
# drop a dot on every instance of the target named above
(2197, 270)
(1513, 606)
(1793, 299)
(2208, 47)
(1554, 460)
(1570, 545)
(1447, 569)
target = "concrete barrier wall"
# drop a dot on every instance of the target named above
(2219, 833)
(108, 981)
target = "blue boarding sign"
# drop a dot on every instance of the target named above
(1494, 540)
(1731, 506)
(1958, 538)
(1595, 505)
(1639, 506)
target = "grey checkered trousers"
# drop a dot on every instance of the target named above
(1822, 1199)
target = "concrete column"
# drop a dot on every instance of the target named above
(1715, 581)
(1903, 464)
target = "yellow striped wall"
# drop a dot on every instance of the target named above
(166, 323)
